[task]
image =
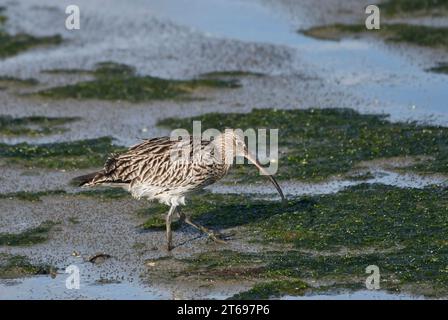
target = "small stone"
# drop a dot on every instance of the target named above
(99, 258)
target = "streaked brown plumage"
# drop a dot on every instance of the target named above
(167, 170)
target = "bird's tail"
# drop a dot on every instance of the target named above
(85, 180)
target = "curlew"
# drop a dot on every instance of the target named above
(154, 170)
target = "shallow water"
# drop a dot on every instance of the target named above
(297, 188)
(386, 80)
(44, 287)
(396, 84)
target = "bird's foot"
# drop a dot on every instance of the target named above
(216, 238)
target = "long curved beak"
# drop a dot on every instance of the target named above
(266, 173)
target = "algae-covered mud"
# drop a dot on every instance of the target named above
(440, 68)
(318, 143)
(27, 237)
(362, 148)
(13, 44)
(119, 82)
(32, 126)
(5, 80)
(415, 7)
(323, 242)
(70, 155)
(18, 266)
(425, 36)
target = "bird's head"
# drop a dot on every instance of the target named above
(234, 145)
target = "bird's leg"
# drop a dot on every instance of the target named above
(169, 233)
(187, 220)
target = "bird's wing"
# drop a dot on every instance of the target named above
(150, 162)
(141, 162)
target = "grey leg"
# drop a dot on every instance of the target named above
(187, 220)
(169, 233)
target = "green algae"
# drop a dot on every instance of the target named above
(367, 215)
(157, 222)
(414, 7)
(13, 44)
(410, 269)
(18, 81)
(155, 218)
(105, 281)
(101, 194)
(273, 289)
(28, 237)
(434, 37)
(73, 220)
(17, 266)
(104, 193)
(68, 71)
(413, 269)
(231, 74)
(440, 68)
(425, 36)
(33, 126)
(121, 82)
(3, 18)
(279, 273)
(361, 176)
(62, 155)
(362, 216)
(31, 196)
(335, 31)
(109, 69)
(315, 144)
(332, 239)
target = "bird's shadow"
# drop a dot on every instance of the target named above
(251, 211)
(217, 213)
